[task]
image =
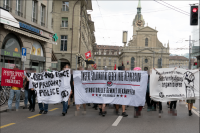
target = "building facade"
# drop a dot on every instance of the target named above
(106, 55)
(34, 33)
(75, 31)
(144, 50)
(179, 62)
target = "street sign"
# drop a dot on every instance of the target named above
(23, 51)
(23, 58)
(23, 54)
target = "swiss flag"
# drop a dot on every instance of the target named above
(87, 54)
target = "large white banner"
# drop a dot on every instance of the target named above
(51, 87)
(114, 87)
(171, 84)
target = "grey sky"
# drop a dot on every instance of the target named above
(113, 17)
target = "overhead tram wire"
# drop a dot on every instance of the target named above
(172, 8)
(102, 17)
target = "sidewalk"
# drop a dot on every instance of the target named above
(4, 107)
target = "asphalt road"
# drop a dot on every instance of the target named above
(24, 121)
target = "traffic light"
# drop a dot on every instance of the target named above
(194, 15)
(79, 59)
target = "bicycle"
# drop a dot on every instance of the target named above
(3, 97)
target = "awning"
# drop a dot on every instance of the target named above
(29, 34)
(7, 18)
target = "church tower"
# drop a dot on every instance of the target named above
(138, 22)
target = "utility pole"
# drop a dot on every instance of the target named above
(142, 63)
(161, 58)
(190, 46)
(189, 53)
(153, 58)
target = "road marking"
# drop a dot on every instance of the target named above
(34, 116)
(193, 111)
(192, 106)
(53, 109)
(7, 125)
(117, 121)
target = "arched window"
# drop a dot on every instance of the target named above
(132, 63)
(146, 42)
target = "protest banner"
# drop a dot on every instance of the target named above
(51, 87)
(109, 86)
(171, 84)
(11, 77)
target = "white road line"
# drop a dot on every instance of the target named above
(117, 121)
(193, 111)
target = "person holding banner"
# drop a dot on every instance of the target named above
(124, 114)
(43, 108)
(78, 106)
(65, 103)
(14, 91)
(31, 94)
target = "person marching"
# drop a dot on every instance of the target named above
(43, 108)
(78, 106)
(65, 103)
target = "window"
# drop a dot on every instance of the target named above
(63, 44)
(115, 61)
(146, 60)
(132, 63)
(34, 11)
(19, 8)
(146, 42)
(64, 22)
(52, 23)
(104, 61)
(42, 15)
(109, 61)
(65, 6)
(6, 5)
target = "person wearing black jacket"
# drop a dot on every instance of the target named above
(26, 87)
(31, 95)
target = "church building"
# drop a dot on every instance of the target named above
(144, 50)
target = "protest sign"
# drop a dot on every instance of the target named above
(51, 87)
(10, 77)
(109, 86)
(171, 84)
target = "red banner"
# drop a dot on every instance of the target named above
(11, 77)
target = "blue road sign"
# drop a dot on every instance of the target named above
(23, 51)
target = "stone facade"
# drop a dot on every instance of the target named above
(27, 38)
(107, 56)
(179, 62)
(63, 22)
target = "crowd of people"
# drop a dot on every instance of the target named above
(30, 96)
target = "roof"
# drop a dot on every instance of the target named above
(178, 58)
(109, 47)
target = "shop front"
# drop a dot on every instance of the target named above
(37, 59)
(10, 52)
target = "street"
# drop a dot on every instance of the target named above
(52, 122)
